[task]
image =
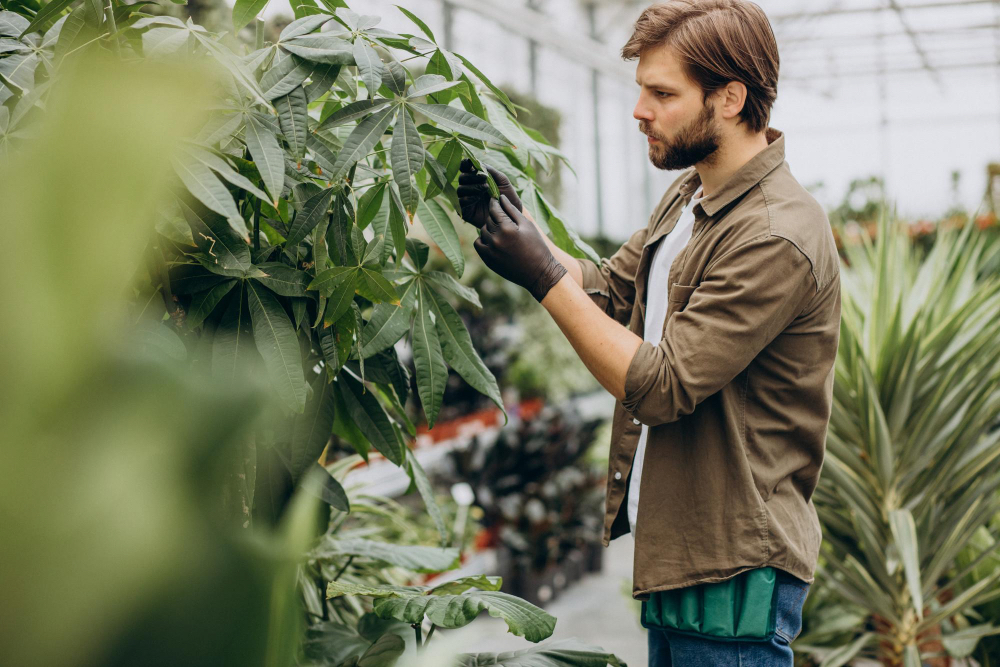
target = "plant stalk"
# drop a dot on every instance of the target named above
(416, 629)
(109, 16)
(341, 570)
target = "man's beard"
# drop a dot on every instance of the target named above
(694, 144)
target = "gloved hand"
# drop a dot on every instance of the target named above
(514, 248)
(474, 194)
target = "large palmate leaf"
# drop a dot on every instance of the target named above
(370, 417)
(446, 281)
(455, 611)
(428, 360)
(293, 115)
(414, 558)
(560, 653)
(369, 66)
(353, 111)
(362, 139)
(462, 122)
(267, 155)
(442, 231)
(209, 190)
(389, 322)
(221, 167)
(303, 26)
(216, 239)
(203, 303)
(321, 48)
(407, 155)
(245, 11)
(313, 210)
(234, 354)
(283, 279)
(278, 345)
(289, 73)
(312, 429)
(458, 351)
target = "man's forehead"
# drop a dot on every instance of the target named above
(660, 67)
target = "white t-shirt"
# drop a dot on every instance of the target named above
(656, 312)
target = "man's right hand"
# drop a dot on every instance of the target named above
(474, 193)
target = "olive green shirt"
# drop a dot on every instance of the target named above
(737, 394)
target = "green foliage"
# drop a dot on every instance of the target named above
(912, 475)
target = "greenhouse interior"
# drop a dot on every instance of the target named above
(303, 365)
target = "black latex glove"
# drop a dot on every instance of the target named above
(515, 249)
(474, 193)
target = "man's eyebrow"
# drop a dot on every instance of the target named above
(653, 84)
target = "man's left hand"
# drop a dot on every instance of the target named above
(514, 248)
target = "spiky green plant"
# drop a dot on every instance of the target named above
(913, 463)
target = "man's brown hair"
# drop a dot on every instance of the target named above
(718, 41)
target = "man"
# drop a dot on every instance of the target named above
(724, 377)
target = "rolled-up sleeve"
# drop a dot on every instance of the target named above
(612, 284)
(744, 300)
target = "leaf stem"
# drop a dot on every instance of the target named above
(256, 223)
(109, 14)
(429, 633)
(341, 570)
(416, 629)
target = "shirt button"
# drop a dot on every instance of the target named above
(635, 421)
(618, 475)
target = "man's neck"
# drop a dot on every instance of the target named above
(728, 159)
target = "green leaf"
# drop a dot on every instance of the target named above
(418, 252)
(341, 298)
(389, 322)
(432, 374)
(12, 24)
(456, 345)
(462, 122)
(245, 11)
(353, 111)
(312, 429)
(205, 302)
(234, 355)
(325, 486)
(45, 14)
(904, 533)
(223, 169)
(303, 26)
(267, 156)
(397, 77)
(441, 230)
(455, 611)
(428, 84)
(321, 48)
(313, 210)
(413, 558)
(369, 66)
(420, 24)
(293, 114)
(397, 224)
(321, 81)
(385, 652)
(489, 84)
(192, 278)
(426, 491)
(283, 279)
(202, 183)
(362, 139)
(216, 239)
(330, 279)
(554, 654)
(446, 281)
(369, 204)
(278, 345)
(407, 155)
(376, 288)
(336, 341)
(370, 418)
(289, 73)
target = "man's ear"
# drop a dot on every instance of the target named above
(732, 97)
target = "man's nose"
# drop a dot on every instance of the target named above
(641, 111)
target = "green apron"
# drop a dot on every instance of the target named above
(741, 608)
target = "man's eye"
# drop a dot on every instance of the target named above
(660, 93)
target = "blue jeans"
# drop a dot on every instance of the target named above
(670, 649)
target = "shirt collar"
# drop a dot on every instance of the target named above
(747, 176)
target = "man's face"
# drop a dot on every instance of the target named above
(681, 128)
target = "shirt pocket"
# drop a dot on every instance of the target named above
(678, 295)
